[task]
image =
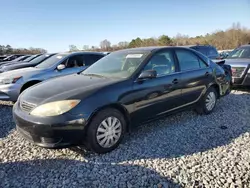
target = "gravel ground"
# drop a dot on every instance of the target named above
(183, 150)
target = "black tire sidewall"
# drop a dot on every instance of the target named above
(91, 140)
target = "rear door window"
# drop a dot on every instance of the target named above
(188, 60)
(89, 59)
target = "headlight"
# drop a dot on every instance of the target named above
(9, 80)
(54, 108)
(248, 71)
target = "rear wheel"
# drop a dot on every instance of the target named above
(105, 131)
(208, 102)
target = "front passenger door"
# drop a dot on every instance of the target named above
(158, 95)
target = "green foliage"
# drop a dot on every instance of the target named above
(164, 40)
(228, 39)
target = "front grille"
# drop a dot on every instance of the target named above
(238, 71)
(26, 106)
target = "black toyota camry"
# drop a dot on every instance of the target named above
(98, 106)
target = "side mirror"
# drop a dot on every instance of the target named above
(61, 67)
(148, 74)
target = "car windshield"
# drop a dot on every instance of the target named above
(51, 61)
(19, 58)
(117, 64)
(40, 58)
(31, 57)
(242, 52)
(6, 58)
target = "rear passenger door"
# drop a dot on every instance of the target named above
(195, 75)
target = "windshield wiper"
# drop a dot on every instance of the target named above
(96, 75)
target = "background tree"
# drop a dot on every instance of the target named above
(123, 44)
(164, 40)
(222, 39)
(73, 48)
(85, 47)
(105, 45)
(9, 50)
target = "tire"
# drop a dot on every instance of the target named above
(96, 128)
(203, 107)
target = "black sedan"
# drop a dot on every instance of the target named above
(97, 106)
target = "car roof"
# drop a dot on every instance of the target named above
(190, 46)
(50, 54)
(83, 52)
(148, 48)
(151, 48)
(245, 45)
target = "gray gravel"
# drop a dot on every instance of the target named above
(183, 150)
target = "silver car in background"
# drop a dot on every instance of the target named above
(12, 83)
(239, 59)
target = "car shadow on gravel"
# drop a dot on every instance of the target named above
(6, 120)
(185, 133)
(72, 173)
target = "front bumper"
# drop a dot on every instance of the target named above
(243, 81)
(50, 132)
(10, 92)
(241, 78)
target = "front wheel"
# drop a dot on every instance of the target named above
(105, 131)
(208, 102)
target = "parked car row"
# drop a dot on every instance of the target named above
(93, 99)
(24, 58)
(10, 57)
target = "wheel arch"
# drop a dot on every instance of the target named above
(217, 88)
(29, 84)
(116, 106)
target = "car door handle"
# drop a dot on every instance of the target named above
(175, 81)
(207, 74)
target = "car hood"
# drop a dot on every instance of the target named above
(19, 72)
(66, 87)
(238, 62)
(16, 65)
(6, 63)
